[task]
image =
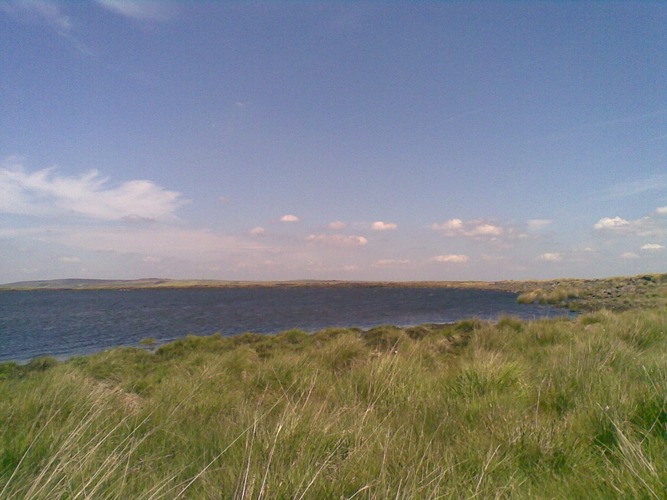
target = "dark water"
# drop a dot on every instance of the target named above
(65, 323)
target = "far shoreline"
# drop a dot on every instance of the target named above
(576, 294)
(160, 283)
(516, 286)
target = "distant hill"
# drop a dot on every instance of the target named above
(98, 284)
(76, 283)
(617, 293)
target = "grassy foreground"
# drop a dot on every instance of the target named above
(546, 409)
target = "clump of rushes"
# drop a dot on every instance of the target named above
(383, 337)
(567, 408)
(556, 296)
(527, 297)
(468, 325)
(510, 323)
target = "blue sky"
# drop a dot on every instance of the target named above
(340, 140)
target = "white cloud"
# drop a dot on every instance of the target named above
(537, 224)
(551, 257)
(610, 223)
(46, 194)
(337, 225)
(653, 247)
(149, 259)
(472, 229)
(661, 210)
(647, 226)
(629, 255)
(383, 226)
(142, 10)
(289, 218)
(256, 231)
(450, 227)
(485, 230)
(340, 240)
(454, 258)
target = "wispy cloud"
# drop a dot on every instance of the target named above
(256, 231)
(391, 263)
(47, 14)
(338, 240)
(156, 241)
(289, 218)
(537, 224)
(142, 10)
(383, 226)
(578, 129)
(635, 187)
(70, 260)
(44, 193)
(629, 255)
(451, 258)
(38, 12)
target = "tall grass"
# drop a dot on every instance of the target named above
(551, 408)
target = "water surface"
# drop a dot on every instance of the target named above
(64, 323)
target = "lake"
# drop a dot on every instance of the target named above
(64, 323)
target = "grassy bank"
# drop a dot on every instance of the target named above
(617, 294)
(553, 408)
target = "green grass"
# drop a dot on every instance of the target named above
(547, 409)
(618, 294)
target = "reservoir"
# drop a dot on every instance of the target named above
(63, 323)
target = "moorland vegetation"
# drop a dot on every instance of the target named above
(552, 408)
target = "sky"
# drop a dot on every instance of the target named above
(332, 140)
